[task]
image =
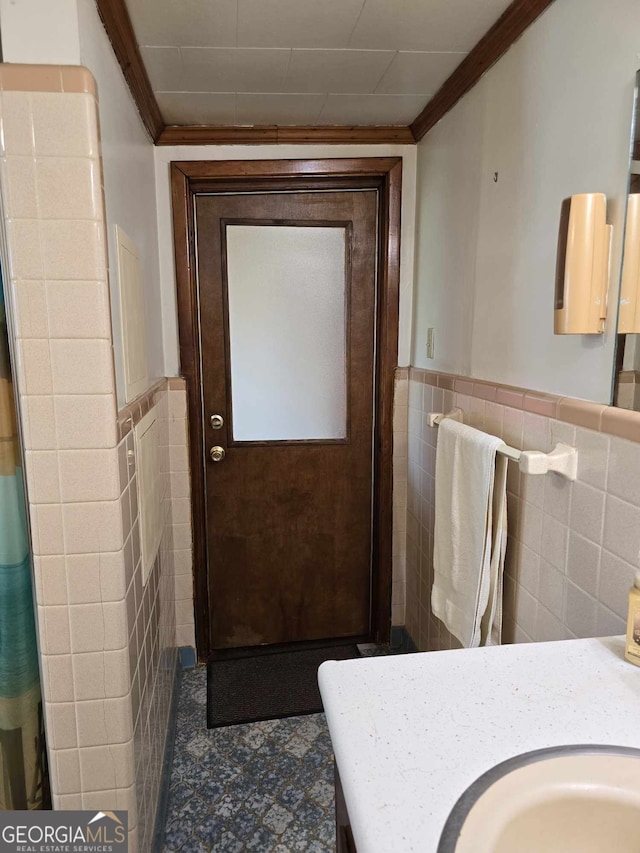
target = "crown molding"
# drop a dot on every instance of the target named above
(494, 44)
(274, 135)
(117, 23)
(507, 29)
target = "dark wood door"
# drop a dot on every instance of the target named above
(289, 519)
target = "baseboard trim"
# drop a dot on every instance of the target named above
(187, 657)
(401, 639)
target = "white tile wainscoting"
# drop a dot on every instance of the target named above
(573, 546)
(108, 644)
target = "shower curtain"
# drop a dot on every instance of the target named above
(22, 755)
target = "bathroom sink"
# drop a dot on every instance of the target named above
(568, 799)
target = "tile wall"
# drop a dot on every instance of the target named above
(107, 644)
(573, 546)
(179, 544)
(400, 449)
(151, 614)
(181, 532)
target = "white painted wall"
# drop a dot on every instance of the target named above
(164, 156)
(40, 31)
(448, 195)
(129, 184)
(552, 117)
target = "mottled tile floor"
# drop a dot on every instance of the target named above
(258, 787)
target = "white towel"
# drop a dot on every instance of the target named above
(470, 533)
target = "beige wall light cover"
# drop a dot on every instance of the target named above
(629, 316)
(582, 273)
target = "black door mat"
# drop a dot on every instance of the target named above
(249, 686)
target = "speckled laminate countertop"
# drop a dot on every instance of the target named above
(411, 732)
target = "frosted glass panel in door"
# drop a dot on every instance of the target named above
(287, 328)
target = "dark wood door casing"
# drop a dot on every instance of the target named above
(380, 174)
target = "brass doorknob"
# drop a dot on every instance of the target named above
(216, 453)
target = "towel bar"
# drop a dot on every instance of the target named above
(563, 459)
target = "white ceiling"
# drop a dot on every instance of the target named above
(304, 62)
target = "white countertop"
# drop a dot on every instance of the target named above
(412, 732)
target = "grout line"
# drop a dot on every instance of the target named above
(237, 21)
(357, 21)
(384, 73)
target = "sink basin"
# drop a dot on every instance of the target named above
(571, 799)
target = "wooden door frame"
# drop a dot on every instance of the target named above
(383, 174)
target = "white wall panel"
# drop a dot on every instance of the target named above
(551, 118)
